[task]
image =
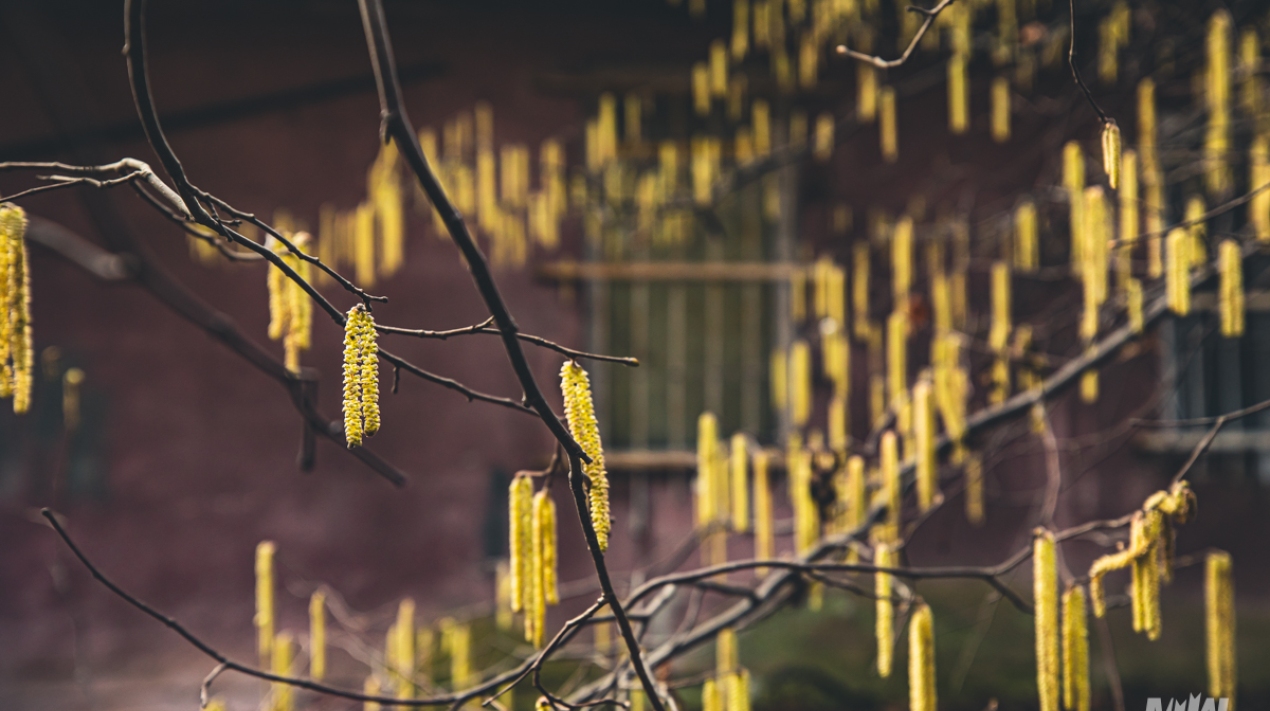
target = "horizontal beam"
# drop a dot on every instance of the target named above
(568, 270)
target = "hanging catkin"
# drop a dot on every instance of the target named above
(543, 568)
(800, 382)
(580, 412)
(725, 654)
(16, 353)
(706, 497)
(897, 355)
(1219, 606)
(1231, 288)
(924, 436)
(282, 695)
(999, 332)
(317, 635)
(1026, 244)
(892, 491)
(264, 601)
(1177, 272)
(1074, 183)
(402, 641)
(1111, 152)
(884, 557)
(520, 543)
(738, 468)
(764, 543)
(958, 94)
(974, 489)
(1000, 109)
(921, 660)
(1045, 600)
(888, 137)
(1075, 651)
(361, 376)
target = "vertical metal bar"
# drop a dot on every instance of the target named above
(752, 361)
(676, 364)
(713, 351)
(639, 333)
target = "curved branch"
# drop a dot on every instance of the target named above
(880, 63)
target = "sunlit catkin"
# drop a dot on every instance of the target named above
(543, 566)
(706, 497)
(283, 695)
(897, 355)
(888, 137)
(764, 542)
(1045, 600)
(1259, 180)
(924, 436)
(16, 353)
(892, 491)
(1074, 183)
(999, 332)
(725, 654)
(1217, 96)
(1231, 288)
(738, 469)
(1111, 153)
(1075, 651)
(958, 94)
(1219, 606)
(711, 695)
(902, 258)
(884, 557)
(1177, 273)
(1133, 299)
(1026, 245)
(1000, 109)
(520, 544)
(800, 392)
(921, 660)
(317, 635)
(264, 601)
(580, 411)
(361, 376)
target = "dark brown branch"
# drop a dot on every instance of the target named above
(880, 63)
(485, 328)
(77, 250)
(396, 126)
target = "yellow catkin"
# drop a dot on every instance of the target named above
(317, 636)
(1075, 651)
(761, 122)
(1133, 299)
(738, 691)
(884, 627)
(974, 489)
(738, 468)
(215, 703)
(888, 136)
(403, 645)
(701, 88)
(711, 696)
(72, 381)
(16, 351)
(800, 383)
(725, 654)
(764, 540)
(1217, 97)
(778, 377)
(1026, 245)
(822, 145)
(520, 532)
(1177, 272)
(1231, 288)
(958, 94)
(1000, 109)
(897, 355)
(1074, 184)
(545, 590)
(637, 699)
(740, 29)
(1258, 180)
(580, 411)
(902, 258)
(856, 493)
(283, 695)
(264, 601)
(1111, 153)
(1045, 600)
(924, 436)
(503, 595)
(999, 332)
(867, 93)
(361, 377)
(1219, 606)
(1129, 214)
(921, 660)
(718, 69)
(706, 497)
(892, 491)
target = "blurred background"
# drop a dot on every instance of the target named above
(183, 457)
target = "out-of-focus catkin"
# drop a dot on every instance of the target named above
(764, 542)
(1075, 651)
(1111, 147)
(892, 490)
(264, 601)
(1026, 244)
(520, 545)
(1217, 97)
(1045, 600)
(580, 412)
(282, 695)
(974, 489)
(924, 436)
(888, 136)
(1177, 275)
(738, 468)
(1000, 109)
(1231, 288)
(800, 392)
(884, 557)
(921, 660)
(317, 635)
(1219, 606)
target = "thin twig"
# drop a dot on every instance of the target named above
(880, 63)
(485, 327)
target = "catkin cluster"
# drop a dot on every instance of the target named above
(290, 310)
(361, 376)
(16, 356)
(580, 412)
(317, 635)
(1149, 556)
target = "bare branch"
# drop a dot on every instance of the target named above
(880, 63)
